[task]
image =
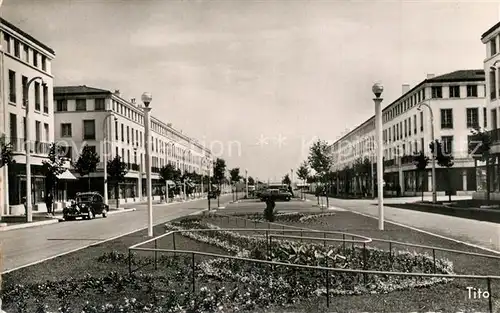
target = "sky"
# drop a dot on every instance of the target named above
(257, 81)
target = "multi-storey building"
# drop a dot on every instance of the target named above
(114, 126)
(457, 104)
(23, 58)
(491, 63)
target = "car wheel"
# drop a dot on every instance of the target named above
(90, 215)
(105, 212)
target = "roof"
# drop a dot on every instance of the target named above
(28, 36)
(456, 76)
(74, 90)
(489, 31)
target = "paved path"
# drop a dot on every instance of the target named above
(480, 233)
(25, 246)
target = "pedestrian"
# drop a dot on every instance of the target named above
(48, 202)
(25, 206)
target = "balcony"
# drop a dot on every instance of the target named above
(389, 163)
(407, 159)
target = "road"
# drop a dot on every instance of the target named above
(484, 234)
(26, 246)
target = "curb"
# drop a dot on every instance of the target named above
(26, 225)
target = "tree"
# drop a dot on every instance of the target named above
(444, 159)
(480, 148)
(251, 181)
(52, 167)
(218, 175)
(303, 173)
(6, 150)
(286, 180)
(321, 160)
(87, 162)
(116, 175)
(234, 175)
(421, 161)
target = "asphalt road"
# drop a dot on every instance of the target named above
(30, 245)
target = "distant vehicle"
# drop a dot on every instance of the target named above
(213, 194)
(275, 194)
(87, 205)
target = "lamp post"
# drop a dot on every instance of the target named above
(105, 155)
(146, 99)
(246, 183)
(29, 213)
(184, 175)
(377, 90)
(434, 193)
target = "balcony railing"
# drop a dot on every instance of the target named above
(19, 145)
(495, 135)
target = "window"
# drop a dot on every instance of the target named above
(12, 86)
(116, 151)
(140, 139)
(37, 131)
(45, 99)
(493, 84)
(66, 130)
(416, 146)
(136, 137)
(400, 130)
(17, 48)
(454, 91)
(123, 133)
(99, 104)
(81, 104)
(446, 118)
(44, 63)
(422, 144)
(472, 91)
(485, 117)
(26, 53)
(6, 37)
(409, 126)
(406, 128)
(35, 58)
(132, 132)
(24, 83)
(37, 97)
(62, 105)
(472, 118)
(421, 121)
(493, 46)
(24, 127)
(447, 144)
(13, 125)
(128, 134)
(116, 130)
(88, 129)
(437, 92)
(415, 124)
(46, 129)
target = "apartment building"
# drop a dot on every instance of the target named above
(23, 58)
(491, 63)
(113, 126)
(457, 105)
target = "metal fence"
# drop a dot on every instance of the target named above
(281, 232)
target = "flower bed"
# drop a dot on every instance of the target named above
(293, 217)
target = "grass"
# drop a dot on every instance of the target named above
(78, 265)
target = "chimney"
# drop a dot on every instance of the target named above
(132, 100)
(429, 76)
(406, 88)
(117, 92)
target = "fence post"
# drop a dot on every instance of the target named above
(129, 262)
(434, 259)
(267, 243)
(324, 241)
(194, 277)
(364, 260)
(343, 242)
(490, 303)
(390, 252)
(156, 255)
(327, 289)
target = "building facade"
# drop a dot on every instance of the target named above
(22, 59)
(114, 126)
(457, 104)
(491, 40)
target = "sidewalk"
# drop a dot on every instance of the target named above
(472, 232)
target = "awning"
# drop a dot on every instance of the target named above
(130, 175)
(66, 175)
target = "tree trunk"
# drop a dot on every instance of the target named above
(421, 184)
(89, 181)
(218, 197)
(117, 195)
(449, 185)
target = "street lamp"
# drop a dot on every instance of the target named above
(246, 183)
(105, 128)
(434, 194)
(146, 99)
(29, 213)
(377, 90)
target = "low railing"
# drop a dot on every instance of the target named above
(273, 233)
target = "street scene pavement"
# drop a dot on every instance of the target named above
(30, 245)
(480, 233)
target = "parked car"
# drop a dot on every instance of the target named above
(86, 205)
(276, 195)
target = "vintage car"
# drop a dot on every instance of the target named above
(276, 195)
(87, 205)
